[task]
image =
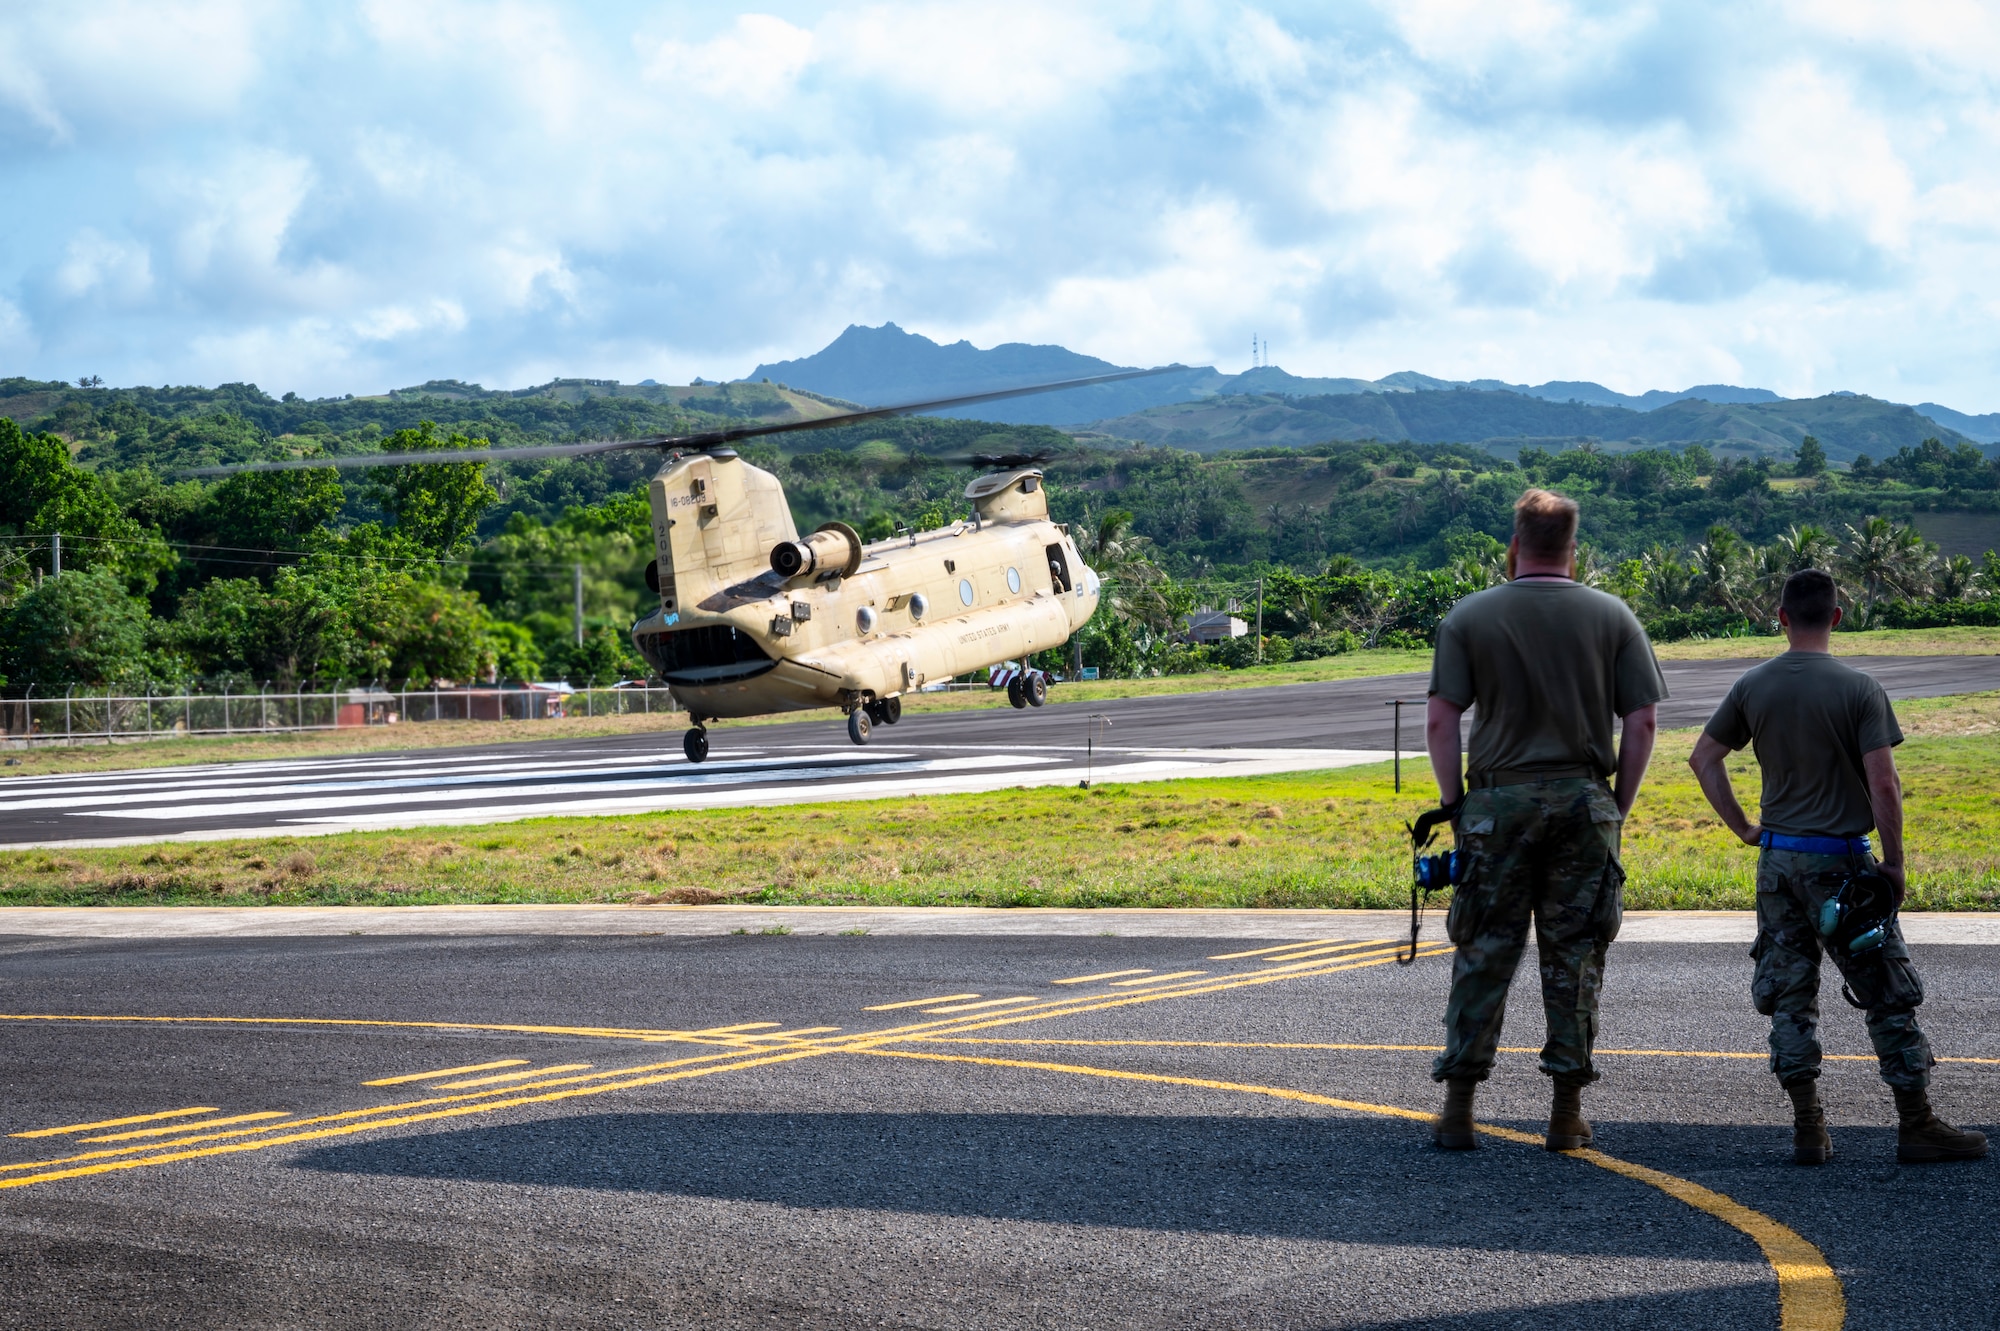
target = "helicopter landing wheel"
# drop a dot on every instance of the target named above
(858, 725)
(695, 745)
(891, 710)
(1016, 695)
(1037, 690)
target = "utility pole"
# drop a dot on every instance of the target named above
(579, 605)
(55, 554)
(1260, 621)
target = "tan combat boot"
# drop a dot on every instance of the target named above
(1810, 1143)
(1567, 1130)
(1922, 1138)
(1453, 1129)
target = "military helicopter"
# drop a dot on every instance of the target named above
(754, 619)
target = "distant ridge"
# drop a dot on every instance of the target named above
(885, 365)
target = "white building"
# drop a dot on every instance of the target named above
(1214, 626)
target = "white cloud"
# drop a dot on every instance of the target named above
(352, 196)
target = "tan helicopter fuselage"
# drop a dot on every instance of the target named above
(846, 624)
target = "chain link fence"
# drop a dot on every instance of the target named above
(106, 717)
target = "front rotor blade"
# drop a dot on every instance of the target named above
(690, 442)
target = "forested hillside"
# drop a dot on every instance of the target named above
(457, 571)
(1505, 421)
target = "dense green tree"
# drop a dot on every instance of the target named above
(274, 510)
(83, 628)
(436, 505)
(1811, 459)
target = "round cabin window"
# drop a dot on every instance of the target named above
(864, 619)
(920, 606)
(1014, 581)
(965, 590)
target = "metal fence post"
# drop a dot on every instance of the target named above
(69, 736)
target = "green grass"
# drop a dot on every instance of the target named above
(1312, 839)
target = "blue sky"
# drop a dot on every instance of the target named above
(347, 197)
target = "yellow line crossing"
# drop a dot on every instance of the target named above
(1810, 1296)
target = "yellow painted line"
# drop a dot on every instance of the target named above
(737, 1029)
(917, 1002)
(793, 1035)
(1100, 1003)
(341, 1116)
(360, 1120)
(191, 1127)
(446, 1072)
(1260, 951)
(1101, 975)
(1809, 1293)
(1391, 1048)
(502, 1078)
(115, 1122)
(595, 1032)
(1158, 979)
(1320, 952)
(991, 1002)
(349, 1129)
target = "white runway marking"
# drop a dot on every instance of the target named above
(282, 799)
(92, 799)
(349, 796)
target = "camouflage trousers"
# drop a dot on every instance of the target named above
(1786, 985)
(1545, 851)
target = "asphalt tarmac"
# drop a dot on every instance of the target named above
(1298, 727)
(861, 1130)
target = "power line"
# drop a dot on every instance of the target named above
(303, 554)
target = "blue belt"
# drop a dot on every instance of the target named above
(1816, 845)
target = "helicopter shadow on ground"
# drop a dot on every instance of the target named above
(1275, 1177)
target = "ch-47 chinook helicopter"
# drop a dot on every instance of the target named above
(755, 619)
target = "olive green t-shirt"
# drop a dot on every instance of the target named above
(1546, 667)
(1811, 718)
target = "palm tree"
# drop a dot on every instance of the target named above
(1719, 562)
(1882, 556)
(1135, 588)
(1670, 584)
(1955, 578)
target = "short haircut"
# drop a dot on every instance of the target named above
(1809, 598)
(1545, 522)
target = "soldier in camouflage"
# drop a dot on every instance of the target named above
(1825, 737)
(1547, 664)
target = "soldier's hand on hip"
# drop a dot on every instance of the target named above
(1752, 834)
(1897, 879)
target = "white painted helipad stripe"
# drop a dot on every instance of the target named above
(582, 796)
(679, 771)
(383, 778)
(1210, 763)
